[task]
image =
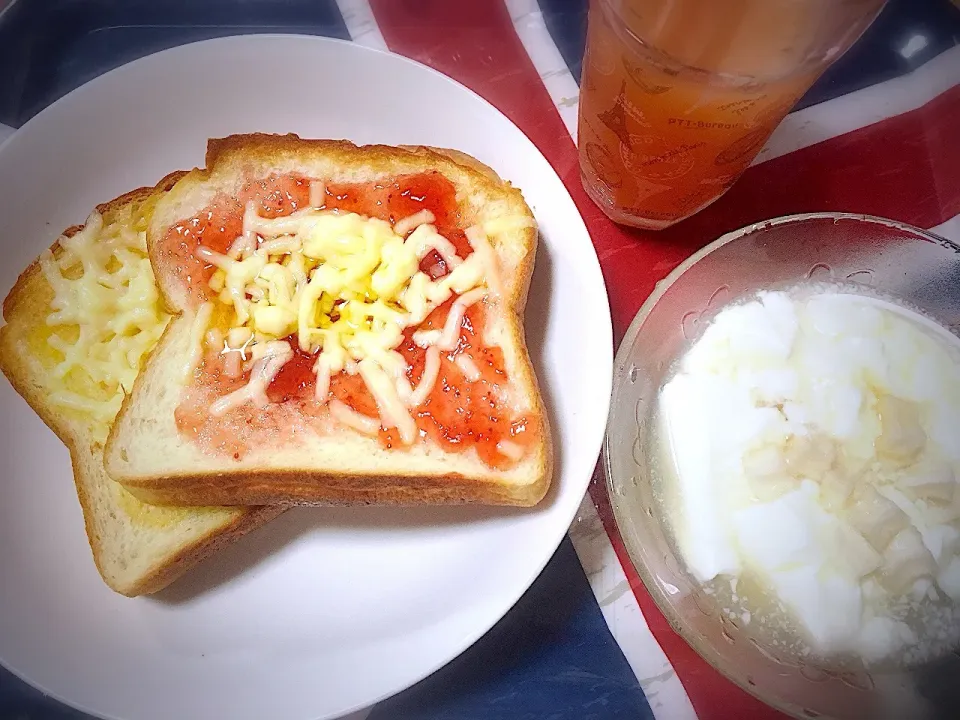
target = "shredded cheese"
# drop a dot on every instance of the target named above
(322, 369)
(318, 193)
(413, 222)
(239, 248)
(239, 337)
(214, 337)
(233, 364)
(393, 414)
(346, 286)
(427, 239)
(431, 371)
(348, 417)
(249, 235)
(106, 314)
(447, 338)
(280, 246)
(468, 367)
(198, 329)
(488, 258)
(277, 354)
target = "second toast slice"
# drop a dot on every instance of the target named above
(60, 351)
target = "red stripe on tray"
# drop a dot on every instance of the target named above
(903, 168)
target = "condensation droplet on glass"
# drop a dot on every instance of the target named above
(634, 373)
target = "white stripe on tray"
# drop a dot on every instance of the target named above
(864, 107)
(361, 24)
(554, 74)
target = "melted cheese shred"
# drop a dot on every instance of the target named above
(318, 193)
(346, 286)
(198, 330)
(393, 414)
(106, 313)
(277, 354)
(412, 222)
(468, 367)
(348, 417)
(447, 338)
(431, 371)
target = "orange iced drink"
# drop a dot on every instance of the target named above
(678, 96)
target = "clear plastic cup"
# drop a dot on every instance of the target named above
(678, 96)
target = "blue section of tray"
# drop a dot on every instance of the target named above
(50, 47)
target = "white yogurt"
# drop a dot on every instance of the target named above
(813, 445)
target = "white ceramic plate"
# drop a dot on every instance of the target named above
(325, 610)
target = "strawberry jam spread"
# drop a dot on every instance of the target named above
(459, 413)
(219, 225)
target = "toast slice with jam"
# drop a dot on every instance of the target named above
(349, 329)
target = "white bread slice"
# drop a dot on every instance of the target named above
(137, 548)
(145, 451)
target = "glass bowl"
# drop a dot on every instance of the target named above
(883, 256)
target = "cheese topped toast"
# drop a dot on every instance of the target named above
(78, 322)
(349, 330)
